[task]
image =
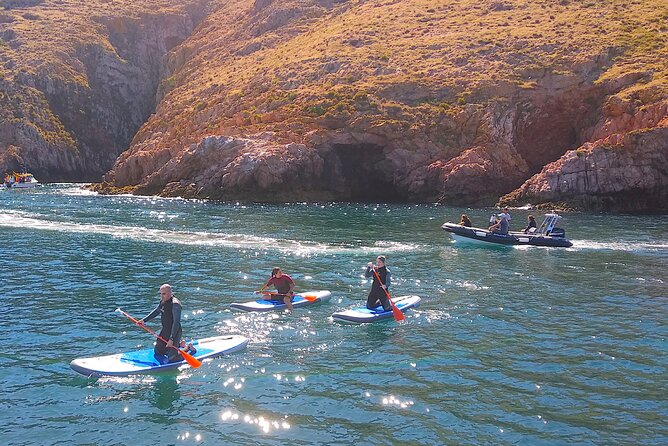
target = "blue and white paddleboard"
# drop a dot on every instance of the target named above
(361, 315)
(143, 361)
(312, 297)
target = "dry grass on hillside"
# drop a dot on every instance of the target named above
(406, 60)
(48, 35)
(377, 56)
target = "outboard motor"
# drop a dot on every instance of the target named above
(558, 232)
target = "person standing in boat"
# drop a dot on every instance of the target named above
(169, 308)
(505, 214)
(284, 284)
(378, 294)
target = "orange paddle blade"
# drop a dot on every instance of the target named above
(190, 359)
(398, 315)
(310, 298)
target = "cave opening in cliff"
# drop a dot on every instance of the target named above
(365, 173)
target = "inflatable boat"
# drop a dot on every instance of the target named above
(547, 234)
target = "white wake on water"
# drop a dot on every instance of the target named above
(26, 220)
(620, 246)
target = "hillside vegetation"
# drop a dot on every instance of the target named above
(411, 100)
(78, 78)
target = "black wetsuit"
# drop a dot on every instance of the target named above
(532, 224)
(378, 296)
(170, 317)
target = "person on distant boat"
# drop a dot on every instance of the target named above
(284, 287)
(465, 221)
(492, 221)
(531, 224)
(169, 308)
(378, 294)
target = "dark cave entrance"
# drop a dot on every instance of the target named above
(362, 173)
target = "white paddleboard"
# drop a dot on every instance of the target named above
(361, 315)
(312, 297)
(144, 361)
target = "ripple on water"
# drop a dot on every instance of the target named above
(509, 346)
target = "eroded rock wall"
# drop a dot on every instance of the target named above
(71, 110)
(623, 172)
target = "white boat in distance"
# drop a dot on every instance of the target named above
(20, 181)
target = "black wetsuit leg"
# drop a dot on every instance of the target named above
(378, 297)
(161, 348)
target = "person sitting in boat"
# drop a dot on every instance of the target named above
(465, 221)
(169, 308)
(531, 224)
(284, 287)
(378, 294)
(502, 225)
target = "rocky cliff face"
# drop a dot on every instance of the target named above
(626, 171)
(326, 101)
(344, 100)
(77, 83)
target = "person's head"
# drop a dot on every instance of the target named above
(505, 209)
(165, 292)
(465, 217)
(380, 261)
(531, 218)
(276, 272)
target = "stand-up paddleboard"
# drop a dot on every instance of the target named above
(300, 300)
(144, 361)
(361, 315)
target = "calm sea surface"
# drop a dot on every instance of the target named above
(529, 346)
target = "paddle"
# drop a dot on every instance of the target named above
(194, 362)
(270, 293)
(398, 315)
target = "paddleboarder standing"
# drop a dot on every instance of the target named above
(378, 294)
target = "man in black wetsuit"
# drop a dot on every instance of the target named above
(169, 310)
(377, 295)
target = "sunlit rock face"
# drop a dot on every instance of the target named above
(298, 100)
(623, 172)
(79, 79)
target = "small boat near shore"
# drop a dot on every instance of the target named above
(547, 234)
(20, 181)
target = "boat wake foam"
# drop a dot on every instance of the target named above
(25, 220)
(620, 246)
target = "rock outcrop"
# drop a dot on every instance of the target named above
(82, 85)
(332, 99)
(623, 172)
(309, 105)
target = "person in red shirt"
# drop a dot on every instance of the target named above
(284, 287)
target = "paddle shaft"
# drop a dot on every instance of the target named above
(187, 356)
(398, 315)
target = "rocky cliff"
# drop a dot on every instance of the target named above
(624, 172)
(409, 100)
(78, 79)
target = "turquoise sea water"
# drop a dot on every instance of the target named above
(511, 346)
